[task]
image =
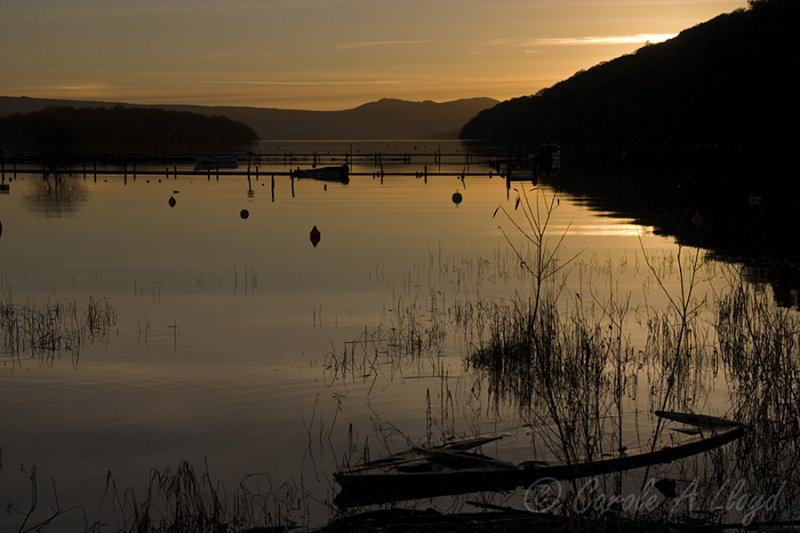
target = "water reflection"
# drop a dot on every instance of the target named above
(586, 367)
(735, 207)
(56, 195)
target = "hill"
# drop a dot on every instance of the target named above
(384, 119)
(731, 81)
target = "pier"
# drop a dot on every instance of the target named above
(251, 164)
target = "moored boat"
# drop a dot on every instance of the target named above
(339, 173)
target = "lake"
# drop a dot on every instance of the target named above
(200, 333)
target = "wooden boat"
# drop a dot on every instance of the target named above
(699, 421)
(338, 173)
(213, 162)
(450, 469)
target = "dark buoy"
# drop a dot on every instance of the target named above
(666, 487)
(244, 213)
(172, 201)
(1, 229)
(315, 236)
(457, 198)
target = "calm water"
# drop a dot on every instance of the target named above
(229, 333)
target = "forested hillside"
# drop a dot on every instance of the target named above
(733, 80)
(121, 129)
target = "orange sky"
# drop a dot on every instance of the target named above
(320, 54)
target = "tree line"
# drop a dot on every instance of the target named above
(64, 130)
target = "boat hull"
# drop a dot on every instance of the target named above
(339, 173)
(362, 486)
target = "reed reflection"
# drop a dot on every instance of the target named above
(56, 195)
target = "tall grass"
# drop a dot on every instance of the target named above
(759, 344)
(567, 361)
(46, 331)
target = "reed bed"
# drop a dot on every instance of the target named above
(580, 363)
(185, 500)
(48, 330)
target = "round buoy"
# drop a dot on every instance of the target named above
(172, 201)
(244, 213)
(457, 198)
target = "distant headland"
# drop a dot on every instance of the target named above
(383, 119)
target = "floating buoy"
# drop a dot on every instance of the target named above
(457, 198)
(244, 213)
(172, 201)
(666, 487)
(315, 236)
(1, 229)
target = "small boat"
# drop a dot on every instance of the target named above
(698, 421)
(213, 162)
(450, 469)
(338, 173)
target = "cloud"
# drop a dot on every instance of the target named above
(638, 38)
(218, 55)
(603, 40)
(372, 44)
(303, 83)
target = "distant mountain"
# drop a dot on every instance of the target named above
(384, 119)
(732, 81)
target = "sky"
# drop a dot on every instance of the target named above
(320, 54)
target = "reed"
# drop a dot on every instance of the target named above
(759, 345)
(185, 500)
(46, 331)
